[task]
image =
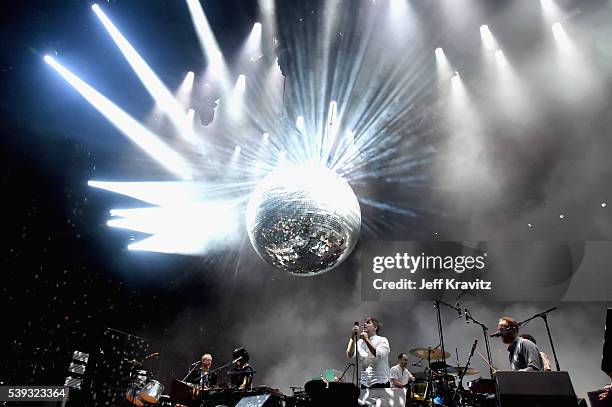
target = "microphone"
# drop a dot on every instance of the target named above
(152, 355)
(195, 363)
(499, 333)
(458, 307)
(467, 315)
(474, 345)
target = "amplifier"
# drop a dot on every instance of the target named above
(535, 389)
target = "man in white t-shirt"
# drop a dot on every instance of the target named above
(373, 351)
(399, 374)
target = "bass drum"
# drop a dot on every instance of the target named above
(151, 391)
(133, 394)
(417, 392)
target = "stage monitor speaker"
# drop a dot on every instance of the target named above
(535, 389)
(606, 360)
(264, 400)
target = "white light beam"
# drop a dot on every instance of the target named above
(162, 96)
(216, 64)
(136, 132)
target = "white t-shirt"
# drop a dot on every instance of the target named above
(374, 369)
(403, 375)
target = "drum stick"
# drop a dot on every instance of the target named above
(486, 361)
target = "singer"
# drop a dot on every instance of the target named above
(523, 354)
(373, 351)
(202, 376)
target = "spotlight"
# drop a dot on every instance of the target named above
(487, 38)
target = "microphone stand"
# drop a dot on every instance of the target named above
(348, 366)
(460, 386)
(544, 316)
(440, 333)
(191, 370)
(357, 371)
(468, 318)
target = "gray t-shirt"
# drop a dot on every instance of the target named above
(524, 355)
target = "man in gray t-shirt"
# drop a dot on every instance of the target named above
(523, 354)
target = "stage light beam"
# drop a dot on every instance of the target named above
(136, 132)
(236, 102)
(162, 96)
(559, 32)
(216, 64)
(183, 94)
(253, 44)
(187, 229)
(488, 41)
(443, 67)
(550, 10)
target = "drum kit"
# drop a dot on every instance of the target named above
(142, 389)
(440, 384)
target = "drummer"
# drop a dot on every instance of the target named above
(399, 374)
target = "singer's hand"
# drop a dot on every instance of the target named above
(606, 393)
(364, 335)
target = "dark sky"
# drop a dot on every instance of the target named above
(67, 275)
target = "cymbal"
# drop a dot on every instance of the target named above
(425, 353)
(469, 372)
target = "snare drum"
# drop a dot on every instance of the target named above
(151, 391)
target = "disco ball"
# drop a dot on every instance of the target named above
(304, 220)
